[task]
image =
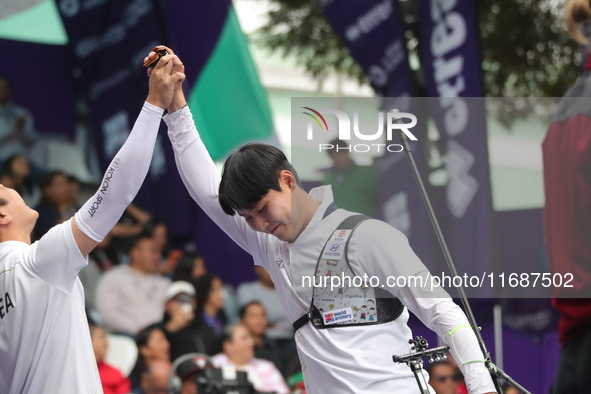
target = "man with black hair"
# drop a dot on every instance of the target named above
(285, 230)
(254, 317)
(45, 342)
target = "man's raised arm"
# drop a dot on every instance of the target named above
(199, 172)
(128, 169)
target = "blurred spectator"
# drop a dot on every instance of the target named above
(168, 258)
(74, 187)
(131, 297)
(566, 152)
(238, 347)
(253, 317)
(279, 327)
(183, 329)
(210, 304)
(16, 124)
(355, 188)
(187, 371)
(442, 377)
(130, 225)
(152, 344)
(461, 388)
(100, 260)
(56, 205)
(18, 166)
(510, 390)
(7, 179)
(112, 379)
(190, 266)
(153, 348)
(154, 379)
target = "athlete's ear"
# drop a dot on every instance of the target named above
(5, 218)
(288, 179)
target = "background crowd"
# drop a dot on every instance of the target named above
(163, 299)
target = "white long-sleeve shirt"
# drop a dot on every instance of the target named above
(355, 359)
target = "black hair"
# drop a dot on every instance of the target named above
(50, 176)
(203, 286)
(5, 173)
(73, 179)
(244, 308)
(249, 174)
(151, 225)
(47, 181)
(136, 240)
(142, 337)
(184, 267)
(27, 185)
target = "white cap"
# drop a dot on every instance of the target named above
(178, 287)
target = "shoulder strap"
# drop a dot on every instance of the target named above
(350, 223)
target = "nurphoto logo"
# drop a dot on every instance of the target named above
(394, 122)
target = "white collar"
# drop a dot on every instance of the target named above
(9, 245)
(322, 194)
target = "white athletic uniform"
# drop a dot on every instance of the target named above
(45, 342)
(336, 360)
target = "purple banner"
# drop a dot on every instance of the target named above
(451, 62)
(108, 41)
(189, 19)
(373, 32)
(48, 92)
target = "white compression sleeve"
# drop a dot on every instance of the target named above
(123, 178)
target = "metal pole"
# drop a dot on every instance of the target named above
(496, 372)
(498, 327)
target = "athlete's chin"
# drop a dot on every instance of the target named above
(281, 234)
(282, 237)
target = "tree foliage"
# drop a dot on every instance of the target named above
(526, 50)
(299, 29)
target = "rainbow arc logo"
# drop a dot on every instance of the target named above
(316, 118)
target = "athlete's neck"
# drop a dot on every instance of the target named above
(10, 236)
(305, 208)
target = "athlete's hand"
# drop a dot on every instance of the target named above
(163, 79)
(178, 98)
